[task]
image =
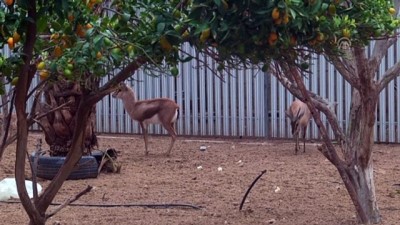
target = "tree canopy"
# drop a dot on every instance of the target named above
(84, 40)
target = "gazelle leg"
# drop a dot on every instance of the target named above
(171, 130)
(144, 129)
(297, 143)
(304, 139)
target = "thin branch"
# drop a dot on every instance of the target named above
(379, 51)
(39, 116)
(346, 68)
(145, 205)
(388, 76)
(321, 104)
(317, 118)
(69, 201)
(250, 187)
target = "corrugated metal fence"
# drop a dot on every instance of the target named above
(249, 103)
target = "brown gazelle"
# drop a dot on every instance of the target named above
(162, 111)
(299, 116)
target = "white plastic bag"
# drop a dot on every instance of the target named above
(8, 189)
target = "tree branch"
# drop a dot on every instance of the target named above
(388, 76)
(110, 86)
(320, 103)
(345, 67)
(69, 201)
(379, 51)
(333, 157)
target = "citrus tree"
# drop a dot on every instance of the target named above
(282, 35)
(70, 46)
(78, 42)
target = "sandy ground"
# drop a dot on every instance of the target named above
(296, 189)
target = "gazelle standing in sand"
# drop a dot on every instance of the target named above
(300, 117)
(162, 111)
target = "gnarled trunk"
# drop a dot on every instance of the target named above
(358, 174)
(61, 101)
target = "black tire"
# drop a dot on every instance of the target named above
(48, 166)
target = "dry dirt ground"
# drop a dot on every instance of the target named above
(296, 189)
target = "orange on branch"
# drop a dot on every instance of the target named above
(16, 37)
(273, 37)
(392, 10)
(275, 14)
(44, 74)
(285, 19)
(99, 55)
(41, 65)
(9, 2)
(205, 34)
(11, 43)
(332, 9)
(57, 51)
(80, 31)
(14, 81)
(165, 45)
(54, 36)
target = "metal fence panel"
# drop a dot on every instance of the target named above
(247, 102)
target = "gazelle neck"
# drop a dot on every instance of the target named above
(129, 99)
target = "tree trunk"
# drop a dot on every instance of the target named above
(358, 173)
(61, 101)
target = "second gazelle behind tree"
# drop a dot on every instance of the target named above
(300, 117)
(162, 111)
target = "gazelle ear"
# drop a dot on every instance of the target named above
(122, 86)
(299, 114)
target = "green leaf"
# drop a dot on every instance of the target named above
(42, 24)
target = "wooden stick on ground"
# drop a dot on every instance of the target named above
(69, 201)
(251, 186)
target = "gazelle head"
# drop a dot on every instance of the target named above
(295, 120)
(120, 90)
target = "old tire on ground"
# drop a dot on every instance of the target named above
(48, 166)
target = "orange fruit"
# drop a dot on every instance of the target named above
(332, 9)
(273, 37)
(16, 37)
(14, 81)
(205, 34)
(9, 2)
(44, 74)
(88, 26)
(57, 51)
(392, 10)
(275, 14)
(10, 42)
(165, 45)
(80, 31)
(41, 65)
(285, 18)
(55, 36)
(99, 55)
